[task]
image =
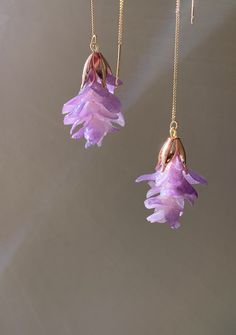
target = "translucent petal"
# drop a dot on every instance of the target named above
(194, 178)
(157, 217)
(146, 177)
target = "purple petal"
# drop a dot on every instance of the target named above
(78, 134)
(111, 83)
(73, 116)
(95, 130)
(157, 217)
(153, 190)
(96, 92)
(70, 105)
(154, 202)
(146, 177)
(185, 189)
(194, 178)
(121, 120)
(76, 124)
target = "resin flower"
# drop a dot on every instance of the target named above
(170, 185)
(95, 111)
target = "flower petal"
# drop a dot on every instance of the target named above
(73, 116)
(157, 217)
(70, 105)
(145, 177)
(121, 120)
(194, 178)
(78, 134)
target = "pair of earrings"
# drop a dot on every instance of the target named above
(96, 111)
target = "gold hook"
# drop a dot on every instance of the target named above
(192, 12)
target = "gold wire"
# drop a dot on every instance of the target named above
(174, 124)
(120, 38)
(93, 43)
(192, 12)
(92, 18)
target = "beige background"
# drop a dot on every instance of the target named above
(76, 254)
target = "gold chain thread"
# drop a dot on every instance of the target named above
(120, 39)
(92, 18)
(174, 124)
(93, 43)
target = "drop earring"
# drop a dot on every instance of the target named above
(96, 111)
(171, 183)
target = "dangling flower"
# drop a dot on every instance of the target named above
(170, 185)
(95, 111)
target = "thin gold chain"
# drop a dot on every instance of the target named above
(120, 38)
(173, 123)
(92, 18)
(93, 43)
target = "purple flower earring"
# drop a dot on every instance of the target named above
(96, 111)
(171, 183)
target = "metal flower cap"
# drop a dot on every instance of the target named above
(171, 148)
(97, 66)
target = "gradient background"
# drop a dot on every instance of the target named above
(76, 253)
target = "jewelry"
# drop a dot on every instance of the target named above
(95, 111)
(171, 183)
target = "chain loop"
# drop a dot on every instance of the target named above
(93, 44)
(174, 125)
(173, 129)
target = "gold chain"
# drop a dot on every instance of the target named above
(93, 43)
(120, 39)
(174, 124)
(92, 18)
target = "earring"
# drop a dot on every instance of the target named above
(171, 183)
(96, 111)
